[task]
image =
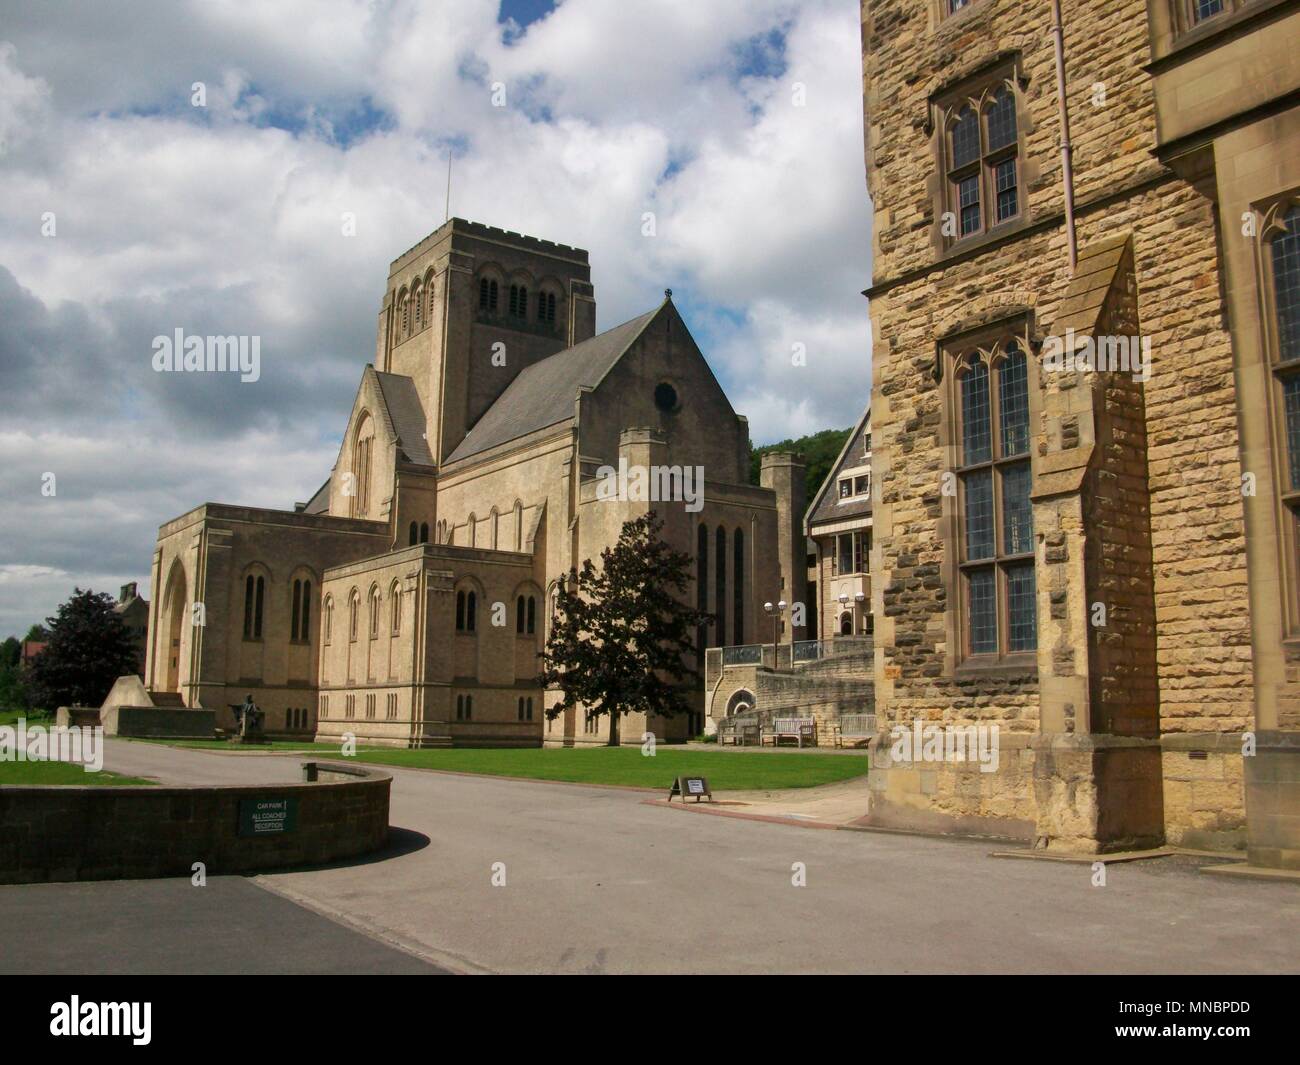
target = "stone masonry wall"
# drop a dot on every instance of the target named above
(120, 833)
(924, 292)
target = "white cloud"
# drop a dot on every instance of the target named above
(227, 219)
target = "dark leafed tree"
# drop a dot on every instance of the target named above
(12, 694)
(87, 649)
(622, 635)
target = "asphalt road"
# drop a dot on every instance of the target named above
(596, 880)
(169, 927)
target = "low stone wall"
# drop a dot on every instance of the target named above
(119, 833)
(146, 722)
(159, 721)
(76, 717)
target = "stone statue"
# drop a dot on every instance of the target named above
(248, 719)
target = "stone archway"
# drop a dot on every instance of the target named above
(742, 700)
(173, 630)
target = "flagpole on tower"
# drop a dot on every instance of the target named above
(447, 212)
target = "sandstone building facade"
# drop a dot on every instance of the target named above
(1103, 564)
(838, 524)
(407, 601)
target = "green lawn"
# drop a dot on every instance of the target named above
(29, 773)
(628, 766)
(307, 746)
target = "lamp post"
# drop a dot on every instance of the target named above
(776, 612)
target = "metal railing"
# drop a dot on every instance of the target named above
(744, 655)
(760, 654)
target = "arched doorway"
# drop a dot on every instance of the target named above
(846, 624)
(174, 607)
(740, 702)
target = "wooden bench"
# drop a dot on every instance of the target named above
(856, 728)
(800, 729)
(742, 734)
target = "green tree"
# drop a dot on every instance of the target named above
(13, 696)
(87, 649)
(37, 633)
(819, 452)
(621, 635)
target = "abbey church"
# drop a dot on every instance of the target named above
(407, 600)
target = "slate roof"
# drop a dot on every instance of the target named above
(320, 502)
(827, 506)
(543, 394)
(406, 414)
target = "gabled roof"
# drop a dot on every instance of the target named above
(543, 393)
(406, 415)
(826, 505)
(320, 502)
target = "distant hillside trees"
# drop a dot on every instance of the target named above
(819, 452)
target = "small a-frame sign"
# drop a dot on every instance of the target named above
(696, 787)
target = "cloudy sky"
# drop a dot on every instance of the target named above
(738, 123)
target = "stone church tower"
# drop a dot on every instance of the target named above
(407, 600)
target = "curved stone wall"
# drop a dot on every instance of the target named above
(119, 833)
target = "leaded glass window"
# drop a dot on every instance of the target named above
(995, 514)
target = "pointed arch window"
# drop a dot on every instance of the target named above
(994, 514)
(701, 585)
(720, 578)
(487, 295)
(424, 532)
(374, 613)
(466, 611)
(362, 453)
(1280, 265)
(525, 615)
(395, 594)
(300, 611)
(981, 153)
(254, 594)
(738, 587)
(417, 299)
(413, 535)
(546, 307)
(519, 301)
(354, 607)
(328, 618)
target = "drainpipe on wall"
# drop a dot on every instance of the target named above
(1067, 169)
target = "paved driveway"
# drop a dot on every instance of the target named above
(596, 880)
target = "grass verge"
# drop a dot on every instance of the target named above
(726, 771)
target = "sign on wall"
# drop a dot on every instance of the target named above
(267, 817)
